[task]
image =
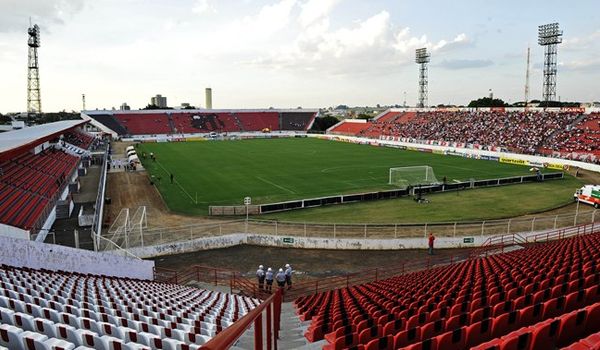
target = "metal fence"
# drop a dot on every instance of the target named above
(140, 237)
(99, 205)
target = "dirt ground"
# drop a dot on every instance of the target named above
(132, 190)
(307, 263)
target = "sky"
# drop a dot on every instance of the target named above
(290, 53)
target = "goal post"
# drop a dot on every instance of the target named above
(411, 176)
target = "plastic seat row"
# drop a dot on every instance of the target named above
(551, 279)
(73, 310)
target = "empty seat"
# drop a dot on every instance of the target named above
(572, 326)
(545, 335)
(453, 340)
(407, 337)
(479, 332)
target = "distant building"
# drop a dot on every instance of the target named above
(208, 97)
(159, 100)
(124, 107)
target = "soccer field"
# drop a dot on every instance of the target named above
(272, 170)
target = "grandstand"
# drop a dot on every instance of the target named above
(568, 133)
(41, 309)
(541, 297)
(190, 122)
(37, 164)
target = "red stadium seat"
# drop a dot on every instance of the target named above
(453, 340)
(479, 332)
(545, 335)
(407, 337)
(383, 343)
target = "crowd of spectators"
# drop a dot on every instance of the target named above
(582, 137)
(523, 132)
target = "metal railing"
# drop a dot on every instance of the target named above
(168, 235)
(245, 286)
(271, 309)
(369, 275)
(213, 276)
(99, 206)
(563, 233)
(494, 244)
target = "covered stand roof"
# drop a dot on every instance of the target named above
(13, 143)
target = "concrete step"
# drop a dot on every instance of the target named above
(291, 334)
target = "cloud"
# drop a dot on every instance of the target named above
(589, 65)
(461, 40)
(270, 19)
(370, 45)
(201, 7)
(14, 14)
(581, 43)
(315, 10)
(456, 64)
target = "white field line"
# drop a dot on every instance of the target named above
(276, 185)
(177, 183)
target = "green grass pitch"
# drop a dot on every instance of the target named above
(272, 170)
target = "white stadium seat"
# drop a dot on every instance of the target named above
(55, 311)
(9, 336)
(32, 340)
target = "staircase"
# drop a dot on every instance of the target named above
(500, 244)
(238, 122)
(172, 124)
(291, 335)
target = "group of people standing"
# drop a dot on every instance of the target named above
(283, 278)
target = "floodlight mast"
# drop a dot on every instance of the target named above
(549, 36)
(527, 78)
(34, 101)
(422, 58)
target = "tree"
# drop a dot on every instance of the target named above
(150, 106)
(324, 123)
(189, 107)
(487, 102)
(363, 116)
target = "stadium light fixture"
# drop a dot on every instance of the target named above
(34, 100)
(549, 36)
(422, 58)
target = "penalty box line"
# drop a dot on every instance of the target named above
(274, 184)
(177, 182)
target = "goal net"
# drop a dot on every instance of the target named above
(411, 176)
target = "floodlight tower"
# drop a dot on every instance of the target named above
(527, 79)
(34, 101)
(422, 58)
(549, 36)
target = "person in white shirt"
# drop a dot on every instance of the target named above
(288, 275)
(280, 277)
(260, 275)
(269, 279)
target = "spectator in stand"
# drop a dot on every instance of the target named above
(431, 240)
(288, 275)
(269, 279)
(280, 277)
(260, 275)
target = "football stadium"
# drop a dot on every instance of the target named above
(417, 227)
